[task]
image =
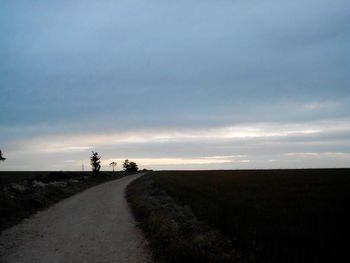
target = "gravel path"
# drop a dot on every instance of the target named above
(95, 225)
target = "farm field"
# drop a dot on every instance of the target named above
(279, 215)
(17, 176)
(7, 177)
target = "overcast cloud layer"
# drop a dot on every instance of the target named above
(175, 84)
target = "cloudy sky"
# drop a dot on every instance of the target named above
(205, 84)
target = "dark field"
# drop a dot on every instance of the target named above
(17, 176)
(279, 215)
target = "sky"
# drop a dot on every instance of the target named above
(224, 84)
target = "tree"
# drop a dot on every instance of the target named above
(1, 157)
(133, 167)
(95, 163)
(130, 166)
(113, 164)
(126, 164)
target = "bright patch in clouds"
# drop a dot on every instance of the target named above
(83, 142)
(314, 106)
(245, 145)
(170, 161)
(225, 156)
(322, 105)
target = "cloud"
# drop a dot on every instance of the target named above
(225, 156)
(249, 144)
(320, 154)
(153, 78)
(171, 161)
(313, 106)
(225, 61)
(248, 131)
(316, 105)
(244, 131)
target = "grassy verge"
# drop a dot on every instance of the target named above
(18, 205)
(278, 215)
(173, 232)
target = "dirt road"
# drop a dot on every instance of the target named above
(93, 226)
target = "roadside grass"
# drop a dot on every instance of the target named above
(21, 205)
(267, 215)
(173, 232)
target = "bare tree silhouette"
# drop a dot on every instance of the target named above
(113, 164)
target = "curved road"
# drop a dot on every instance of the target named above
(95, 225)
